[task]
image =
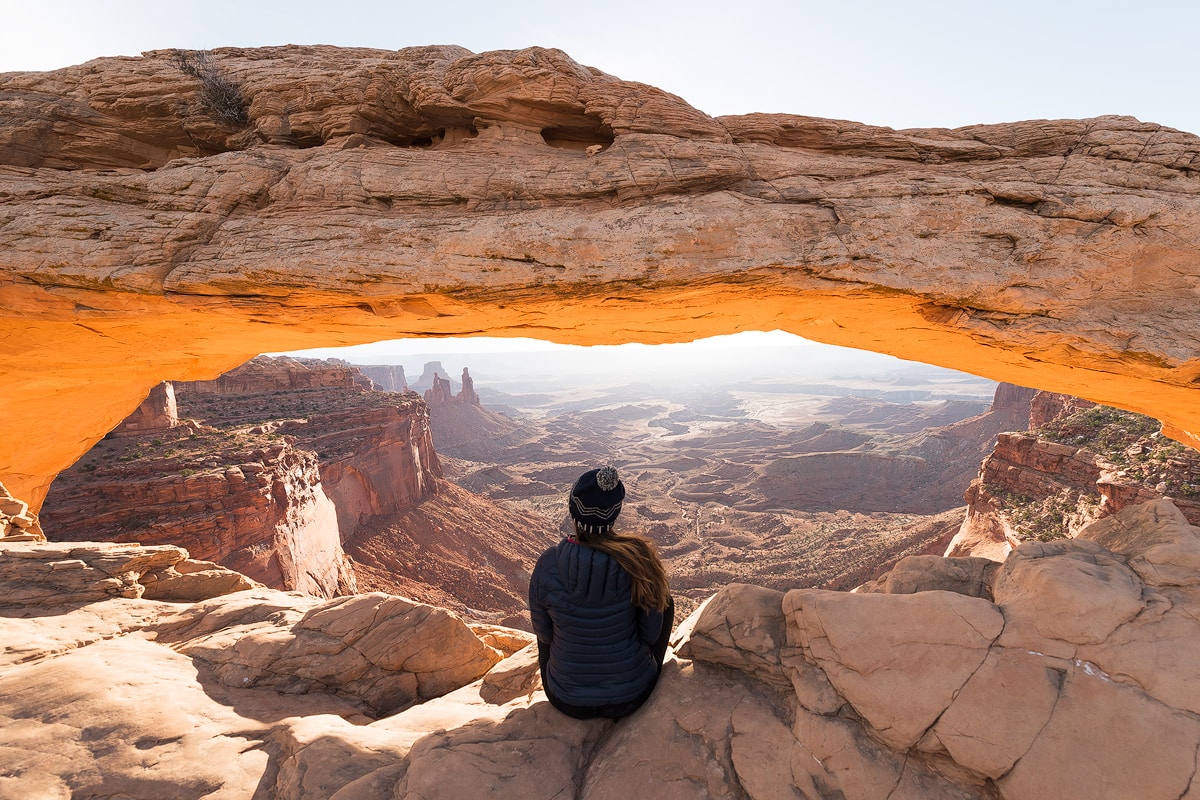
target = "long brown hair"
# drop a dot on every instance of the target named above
(639, 558)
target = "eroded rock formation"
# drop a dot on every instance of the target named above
(284, 484)
(1078, 463)
(288, 458)
(41, 575)
(354, 195)
(388, 377)
(265, 375)
(17, 522)
(253, 503)
(157, 413)
(949, 690)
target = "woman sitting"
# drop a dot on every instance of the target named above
(601, 608)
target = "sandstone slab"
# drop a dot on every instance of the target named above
(385, 651)
(1056, 595)
(898, 659)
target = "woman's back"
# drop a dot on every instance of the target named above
(600, 648)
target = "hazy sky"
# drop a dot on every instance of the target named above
(917, 63)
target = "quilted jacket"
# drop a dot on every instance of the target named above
(580, 604)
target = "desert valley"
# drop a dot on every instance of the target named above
(823, 480)
(307, 474)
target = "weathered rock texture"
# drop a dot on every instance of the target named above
(325, 488)
(249, 502)
(343, 196)
(1080, 679)
(1081, 463)
(50, 574)
(17, 522)
(157, 413)
(384, 651)
(375, 449)
(292, 455)
(374, 460)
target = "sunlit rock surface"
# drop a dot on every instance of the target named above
(354, 195)
(1079, 680)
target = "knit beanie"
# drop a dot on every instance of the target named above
(596, 498)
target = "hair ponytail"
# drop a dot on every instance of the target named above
(639, 558)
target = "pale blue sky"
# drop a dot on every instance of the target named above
(920, 63)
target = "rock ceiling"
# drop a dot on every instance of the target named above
(341, 196)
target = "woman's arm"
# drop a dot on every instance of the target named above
(539, 615)
(650, 625)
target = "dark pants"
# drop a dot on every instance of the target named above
(615, 710)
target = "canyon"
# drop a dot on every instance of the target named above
(144, 239)
(300, 475)
(295, 473)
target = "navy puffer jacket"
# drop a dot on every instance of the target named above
(580, 603)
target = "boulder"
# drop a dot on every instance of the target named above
(967, 575)
(384, 651)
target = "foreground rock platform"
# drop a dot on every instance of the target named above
(1079, 680)
(353, 195)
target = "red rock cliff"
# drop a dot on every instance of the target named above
(246, 501)
(263, 375)
(271, 481)
(1079, 462)
(374, 460)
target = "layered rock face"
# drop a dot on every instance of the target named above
(374, 461)
(349, 497)
(273, 498)
(388, 377)
(1080, 464)
(264, 375)
(344, 196)
(250, 502)
(947, 691)
(375, 449)
(158, 412)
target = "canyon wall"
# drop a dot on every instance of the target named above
(265, 375)
(1078, 463)
(252, 504)
(287, 459)
(356, 195)
(388, 377)
(374, 461)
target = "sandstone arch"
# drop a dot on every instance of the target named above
(432, 191)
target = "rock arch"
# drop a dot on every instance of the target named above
(431, 191)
